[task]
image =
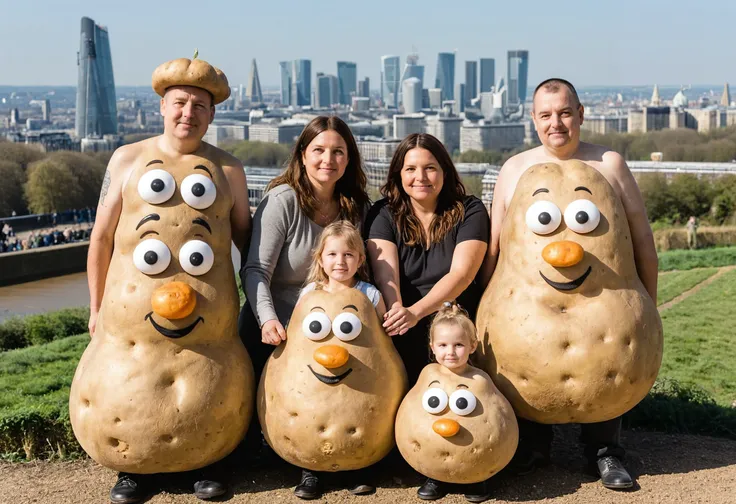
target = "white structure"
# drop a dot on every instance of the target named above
(406, 124)
(412, 95)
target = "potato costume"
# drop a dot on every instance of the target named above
(568, 332)
(165, 384)
(456, 428)
(194, 72)
(328, 396)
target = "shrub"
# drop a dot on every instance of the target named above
(13, 334)
(18, 332)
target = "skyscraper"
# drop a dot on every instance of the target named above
(518, 71)
(253, 90)
(364, 88)
(412, 95)
(726, 96)
(411, 69)
(301, 82)
(327, 91)
(487, 74)
(285, 82)
(471, 83)
(390, 81)
(347, 78)
(96, 113)
(445, 78)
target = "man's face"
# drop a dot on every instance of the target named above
(187, 111)
(557, 117)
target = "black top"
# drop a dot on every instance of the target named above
(421, 269)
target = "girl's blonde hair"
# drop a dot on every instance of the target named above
(339, 229)
(453, 313)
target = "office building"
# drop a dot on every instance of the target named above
(487, 74)
(390, 81)
(347, 79)
(471, 83)
(412, 95)
(445, 78)
(253, 89)
(518, 72)
(364, 88)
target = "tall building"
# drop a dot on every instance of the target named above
(364, 88)
(460, 92)
(411, 69)
(327, 91)
(518, 72)
(285, 82)
(406, 124)
(487, 74)
(445, 78)
(14, 117)
(471, 82)
(412, 95)
(390, 81)
(435, 98)
(253, 90)
(347, 78)
(46, 110)
(96, 112)
(301, 82)
(726, 96)
(655, 100)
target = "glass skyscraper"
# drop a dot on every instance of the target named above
(445, 79)
(347, 79)
(471, 83)
(487, 74)
(301, 82)
(390, 68)
(96, 113)
(285, 82)
(518, 71)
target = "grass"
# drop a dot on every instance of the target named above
(675, 283)
(702, 258)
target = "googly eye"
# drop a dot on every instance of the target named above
(198, 191)
(196, 257)
(316, 326)
(462, 402)
(347, 326)
(151, 256)
(543, 217)
(156, 186)
(582, 216)
(434, 401)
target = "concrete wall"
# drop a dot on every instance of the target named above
(35, 264)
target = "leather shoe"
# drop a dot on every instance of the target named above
(477, 492)
(431, 490)
(309, 487)
(208, 489)
(613, 473)
(127, 490)
(362, 489)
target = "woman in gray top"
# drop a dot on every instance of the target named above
(323, 182)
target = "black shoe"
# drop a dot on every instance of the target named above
(127, 490)
(308, 487)
(613, 473)
(431, 490)
(477, 492)
(526, 461)
(208, 489)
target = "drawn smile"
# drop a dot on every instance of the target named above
(173, 333)
(566, 286)
(330, 380)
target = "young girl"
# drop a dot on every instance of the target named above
(338, 262)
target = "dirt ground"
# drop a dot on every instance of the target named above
(668, 468)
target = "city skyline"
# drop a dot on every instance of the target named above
(590, 45)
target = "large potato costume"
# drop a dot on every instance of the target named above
(328, 397)
(568, 332)
(166, 385)
(456, 428)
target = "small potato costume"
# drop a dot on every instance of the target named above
(328, 396)
(165, 384)
(196, 73)
(568, 332)
(456, 428)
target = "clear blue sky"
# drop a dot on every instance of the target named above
(589, 42)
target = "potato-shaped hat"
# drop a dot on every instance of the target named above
(194, 72)
(328, 396)
(568, 332)
(456, 428)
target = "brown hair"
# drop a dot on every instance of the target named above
(350, 190)
(554, 84)
(450, 209)
(453, 313)
(341, 229)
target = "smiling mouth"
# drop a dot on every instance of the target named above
(566, 286)
(330, 380)
(172, 333)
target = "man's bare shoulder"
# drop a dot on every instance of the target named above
(124, 157)
(523, 160)
(227, 161)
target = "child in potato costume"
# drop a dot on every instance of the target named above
(568, 332)
(454, 426)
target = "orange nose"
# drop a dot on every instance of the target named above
(174, 300)
(331, 356)
(563, 254)
(446, 427)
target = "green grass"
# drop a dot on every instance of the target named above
(673, 284)
(703, 258)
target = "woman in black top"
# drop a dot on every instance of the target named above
(426, 243)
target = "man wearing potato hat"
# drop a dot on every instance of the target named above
(189, 91)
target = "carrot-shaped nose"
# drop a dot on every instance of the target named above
(331, 356)
(446, 427)
(174, 300)
(563, 254)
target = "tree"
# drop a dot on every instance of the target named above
(20, 154)
(52, 187)
(655, 192)
(690, 196)
(12, 179)
(262, 154)
(88, 172)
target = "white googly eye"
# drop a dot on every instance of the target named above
(582, 216)
(316, 326)
(198, 191)
(196, 257)
(156, 186)
(462, 402)
(543, 217)
(434, 401)
(151, 256)
(347, 326)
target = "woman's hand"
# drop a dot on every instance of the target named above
(398, 320)
(273, 333)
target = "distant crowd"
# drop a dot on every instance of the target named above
(56, 234)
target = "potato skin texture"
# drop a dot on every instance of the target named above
(332, 427)
(585, 355)
(145, 403)
(485, 443)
